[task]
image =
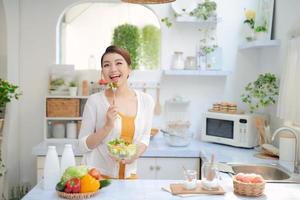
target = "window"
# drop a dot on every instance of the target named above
(86, 29)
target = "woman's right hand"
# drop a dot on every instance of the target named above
(111, 115)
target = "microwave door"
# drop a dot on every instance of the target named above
(220, 128)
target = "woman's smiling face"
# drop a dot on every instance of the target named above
(115, 68)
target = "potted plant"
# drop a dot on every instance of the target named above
(205, 10)
(261, 32)
(262, 92)
(56, 84)
(8, 92)
(73, 88)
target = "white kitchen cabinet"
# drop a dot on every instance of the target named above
(40, 162)
(165, 168)
(148, 167)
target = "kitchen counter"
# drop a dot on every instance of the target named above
(151, 189)
(158, 148)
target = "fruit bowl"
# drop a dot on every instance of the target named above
(248, 184)
(80, 182)
(76, 195)
(120, 149)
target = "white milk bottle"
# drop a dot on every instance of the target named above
(67, 158)
(51, 170)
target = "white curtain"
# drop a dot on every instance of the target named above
(289, 94)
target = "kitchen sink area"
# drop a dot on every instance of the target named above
(272, 173)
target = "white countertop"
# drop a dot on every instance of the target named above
(158, 148)
(151, 189)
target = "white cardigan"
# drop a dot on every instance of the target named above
(94, 118)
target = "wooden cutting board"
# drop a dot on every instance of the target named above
(178, 188)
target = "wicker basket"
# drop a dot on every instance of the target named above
(63, 107)
(248, 189)
(76, 195)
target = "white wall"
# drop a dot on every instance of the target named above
(3, 51)
(11, 127)
(37, 50)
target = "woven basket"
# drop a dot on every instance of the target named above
(248, 189)
(76, 195)
(63, 107)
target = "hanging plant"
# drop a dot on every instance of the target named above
(128, 37)
(262, 92)
(150, 46)
(205, 10)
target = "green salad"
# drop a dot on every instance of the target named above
(121, 149)
(112, 86)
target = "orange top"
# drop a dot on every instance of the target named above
(127, 132)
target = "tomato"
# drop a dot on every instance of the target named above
(257, 179)
(95, 173)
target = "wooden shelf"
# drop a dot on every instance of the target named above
(61, 140)
(195, 73)
(63, 118)
(187, 18)
(260, 44)
(66, 97)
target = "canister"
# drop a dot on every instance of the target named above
(58, 130)
(71, 130)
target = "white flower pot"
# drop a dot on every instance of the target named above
(261, 35)
(73, 91)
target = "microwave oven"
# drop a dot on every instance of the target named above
(231, 129)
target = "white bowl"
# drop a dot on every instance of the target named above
(177, 140)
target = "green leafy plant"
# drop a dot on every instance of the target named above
(8, 92)
(150, 46)
(72, 84)
(208, 49)
(56, 83)
(262, 92)
(167, 21)
(205, 10)
(261, 29)
(128, 37)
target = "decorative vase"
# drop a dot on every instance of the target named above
(213, 60)
(248, 33)
(73, 91)
(261, 35)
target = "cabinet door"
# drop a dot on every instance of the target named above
(146, 168)
(172, 168)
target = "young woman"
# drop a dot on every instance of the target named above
(125, 114)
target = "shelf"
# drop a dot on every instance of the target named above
(260, 44)
(187, 18)
(195, 73)
(61, 140)
(66, 97)
(64, 118)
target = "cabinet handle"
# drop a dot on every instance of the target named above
(151, 168)
(157, 168)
